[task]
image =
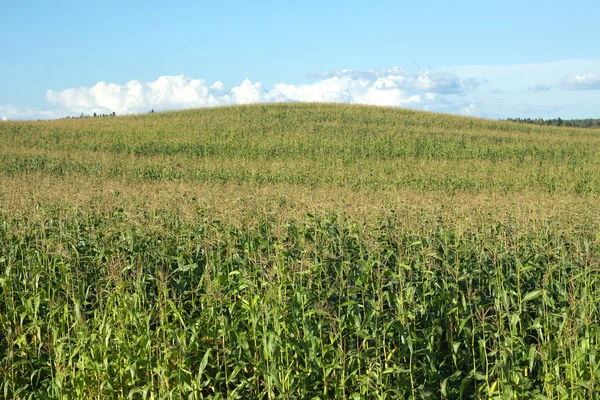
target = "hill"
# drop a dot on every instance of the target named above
(350, 146)
(298, 251)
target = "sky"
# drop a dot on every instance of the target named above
(491, 59)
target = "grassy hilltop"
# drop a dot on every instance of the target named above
(298, 251)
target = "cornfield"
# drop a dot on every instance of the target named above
(298, 251)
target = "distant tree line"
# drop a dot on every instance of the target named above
(95, 115)
(112, 114)
(574, 123)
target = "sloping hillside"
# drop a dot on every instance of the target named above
(310, 144)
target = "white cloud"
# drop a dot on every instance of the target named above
(332, 89)
(393, 87)
(590, 81)
(164, 93)
(249, 92)
(470, 110)
(423, 81)
(4, 118)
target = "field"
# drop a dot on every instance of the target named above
(298, 251)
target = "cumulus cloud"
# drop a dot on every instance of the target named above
(167, 92)
(590, 81)
(470, 110)
(400, 78)
(249, 92)
(4, 118)
(348, 89)
(135, 96)
(393, 87)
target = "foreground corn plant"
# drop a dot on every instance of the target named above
(93, 308)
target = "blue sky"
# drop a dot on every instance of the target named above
(490, 59)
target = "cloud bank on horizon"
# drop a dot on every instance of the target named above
(542, 89)
(393, 87)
